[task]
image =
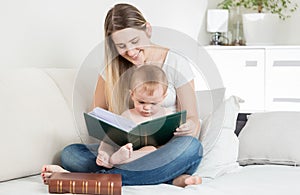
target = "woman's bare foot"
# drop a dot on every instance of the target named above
(185, 180)
(47, 171)
(103, 159)
(123, 154)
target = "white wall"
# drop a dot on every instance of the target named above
(61, 33)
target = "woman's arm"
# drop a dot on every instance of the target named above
(186, 100)
(99, 96)
(104, 150)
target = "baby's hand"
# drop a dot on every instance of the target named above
(186, 129)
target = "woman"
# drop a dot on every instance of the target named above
(128, 45)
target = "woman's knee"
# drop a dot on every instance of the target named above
(67, 154)
(190, 141)
(70, 150)
(80, 157)
(196, 144)
(192, 145)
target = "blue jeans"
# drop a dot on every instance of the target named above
(181, 155)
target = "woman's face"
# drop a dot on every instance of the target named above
(131, 44)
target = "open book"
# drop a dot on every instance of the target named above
(116, 129)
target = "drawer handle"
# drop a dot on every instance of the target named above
(251, 63)
(293, 100)
(287, 63)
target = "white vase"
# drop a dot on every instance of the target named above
(260, 28)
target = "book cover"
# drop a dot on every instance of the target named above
(85, 183)
(116, 129)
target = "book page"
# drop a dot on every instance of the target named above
(113, 119)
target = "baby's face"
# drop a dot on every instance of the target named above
(146, 104)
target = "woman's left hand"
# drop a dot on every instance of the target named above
(186, 129)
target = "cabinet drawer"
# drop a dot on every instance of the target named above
(283, 79)
(284, 82)
(242, 71)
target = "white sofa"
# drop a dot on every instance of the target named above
(37, 121)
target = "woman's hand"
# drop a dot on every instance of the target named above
(186, 100)
(186, 129)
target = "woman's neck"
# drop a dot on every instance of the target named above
(155, 55)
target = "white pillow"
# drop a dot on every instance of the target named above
(208, 101)
(219, 141)
(270, 138)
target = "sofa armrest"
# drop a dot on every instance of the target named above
(37, 120)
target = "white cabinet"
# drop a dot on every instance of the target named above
(283, 79)
(267, 78)
(242, 71)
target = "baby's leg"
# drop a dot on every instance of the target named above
(126, 154)
(122, 154)
(109, 149)
(103, 159)
(47, 171)
(104, 152)
(140, 153)
(185, 180)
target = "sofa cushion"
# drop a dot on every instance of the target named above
(220, 143)
(37, 121)
(270, 138)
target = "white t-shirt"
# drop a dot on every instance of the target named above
(179, 72)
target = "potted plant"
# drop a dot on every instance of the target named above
(259, 27)
(282, 8)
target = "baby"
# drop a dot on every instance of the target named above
(148, 89)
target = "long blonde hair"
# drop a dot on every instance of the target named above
(119, 17)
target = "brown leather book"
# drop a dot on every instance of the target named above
(85, 183)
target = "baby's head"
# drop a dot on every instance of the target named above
(148, 89)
